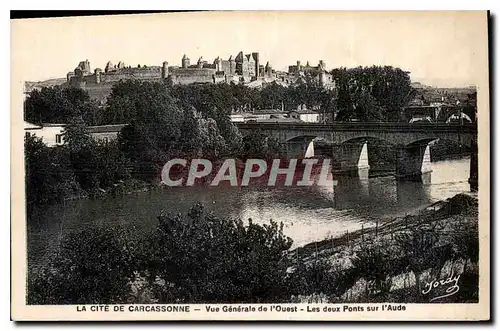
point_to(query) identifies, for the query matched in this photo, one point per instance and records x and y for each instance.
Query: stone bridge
(351, 140)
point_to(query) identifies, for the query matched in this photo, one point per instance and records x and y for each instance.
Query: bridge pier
(474, 173)
(413, 161)
(350, 157)
(297, 149)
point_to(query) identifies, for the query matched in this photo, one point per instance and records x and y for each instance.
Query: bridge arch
(301, 138)
(455, 139)
(365, 152)
(421, 142)
(366, 138)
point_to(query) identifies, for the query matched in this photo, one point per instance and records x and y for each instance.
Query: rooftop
(106, 128)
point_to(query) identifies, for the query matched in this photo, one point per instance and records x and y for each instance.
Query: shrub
(93, 266)
(374, 265)
(319, 277)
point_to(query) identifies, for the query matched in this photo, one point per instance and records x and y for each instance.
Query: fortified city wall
(243, 68)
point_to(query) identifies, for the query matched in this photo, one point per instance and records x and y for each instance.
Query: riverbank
(394, 260)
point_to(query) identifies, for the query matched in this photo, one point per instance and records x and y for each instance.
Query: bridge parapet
(362, 126)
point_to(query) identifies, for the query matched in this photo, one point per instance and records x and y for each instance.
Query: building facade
(53, 134)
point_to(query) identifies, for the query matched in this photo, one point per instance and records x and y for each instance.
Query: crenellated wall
(131, 73)
(147, 73)
(192, 75)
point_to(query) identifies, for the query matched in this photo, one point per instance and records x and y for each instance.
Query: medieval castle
(244, 68)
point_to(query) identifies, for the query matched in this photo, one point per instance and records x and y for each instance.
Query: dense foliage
(372, 93)
(81, 167)
(60, 105)
(203, 258)
(49, 175)
(188, 258)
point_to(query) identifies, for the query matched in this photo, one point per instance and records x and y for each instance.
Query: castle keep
(243, 68)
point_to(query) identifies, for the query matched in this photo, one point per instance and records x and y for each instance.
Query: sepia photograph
(259, 165)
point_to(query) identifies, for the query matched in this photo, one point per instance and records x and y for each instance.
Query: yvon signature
(437, 285)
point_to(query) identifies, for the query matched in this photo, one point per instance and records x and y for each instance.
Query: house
(277, 120)
(258, 115)
(237, 118)
(53, 134)
(308, 116)
(105, 133)
(50, 133)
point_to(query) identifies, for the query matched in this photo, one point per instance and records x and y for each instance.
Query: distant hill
(30, 86)
(431, 94)
(466, 89)
(418, 85)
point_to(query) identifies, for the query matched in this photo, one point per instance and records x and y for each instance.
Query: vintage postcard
(293, 166)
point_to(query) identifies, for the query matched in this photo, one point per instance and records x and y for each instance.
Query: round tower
(322, 78)
(321, 65)
(322, 73)
(232, 65)
(255, 56)
(268, 69)
(78, 72)
(164, 70)
(109, 66)
(97, 73)
(185, 61)
(218, 64)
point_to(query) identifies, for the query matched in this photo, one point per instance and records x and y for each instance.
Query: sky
(438, 48)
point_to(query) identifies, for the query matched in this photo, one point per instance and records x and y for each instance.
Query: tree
(162, 127)
(155, 124)
(49, 176)
(372, 93)
(58, 105)
(272, 96)
(216, 101)
(81, 151)
(198, 257)
(258, 145)
(97, 165)
(213, 143)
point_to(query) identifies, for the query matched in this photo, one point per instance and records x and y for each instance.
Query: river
(308, 213)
